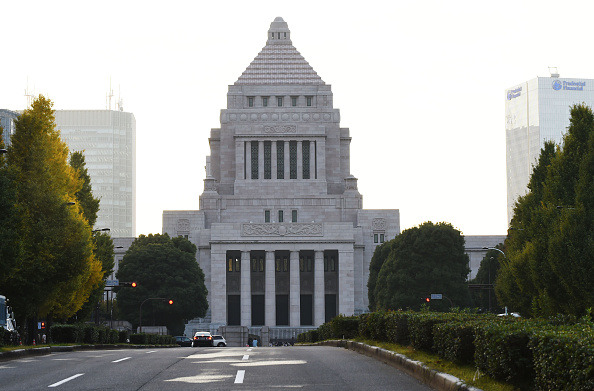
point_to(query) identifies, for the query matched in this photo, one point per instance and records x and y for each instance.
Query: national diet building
(281, 232)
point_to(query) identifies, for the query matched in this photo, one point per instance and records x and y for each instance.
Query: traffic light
(427, 299)
(170, 302)
(132, 284)
(42, 325)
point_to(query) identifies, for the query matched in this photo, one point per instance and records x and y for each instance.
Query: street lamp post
(150, 298)
(494, 248)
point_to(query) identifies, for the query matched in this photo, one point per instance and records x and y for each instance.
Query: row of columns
(244, 159)
(218, 292)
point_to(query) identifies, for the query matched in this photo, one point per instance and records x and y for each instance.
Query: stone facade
(281, 232)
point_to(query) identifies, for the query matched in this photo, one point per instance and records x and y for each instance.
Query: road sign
(436, 296)
(112, 282)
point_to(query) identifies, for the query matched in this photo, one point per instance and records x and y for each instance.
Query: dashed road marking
(152, 351)
(65, 380)
(122, 359)
(239, 376)
(245, 357)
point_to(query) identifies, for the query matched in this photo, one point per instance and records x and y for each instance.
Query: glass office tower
(536, 111)
(108, 139)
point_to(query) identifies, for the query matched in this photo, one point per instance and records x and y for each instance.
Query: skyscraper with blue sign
(536, 111)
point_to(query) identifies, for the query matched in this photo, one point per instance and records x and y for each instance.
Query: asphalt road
(269, 368)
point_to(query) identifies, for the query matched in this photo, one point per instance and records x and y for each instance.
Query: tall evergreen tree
(55, 270)
(550, 265)
(423, 260)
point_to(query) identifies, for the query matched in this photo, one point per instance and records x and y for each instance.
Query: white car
(219, 340)
(202, 338)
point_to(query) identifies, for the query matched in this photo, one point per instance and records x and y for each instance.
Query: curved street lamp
(151, 298)
(494, 248)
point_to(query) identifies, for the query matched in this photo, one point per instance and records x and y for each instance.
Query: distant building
(281, 232)
(108, 139)
(476, 247)
(535, 111)
(7, 118)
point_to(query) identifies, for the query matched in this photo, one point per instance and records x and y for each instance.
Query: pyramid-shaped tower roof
(279, 62)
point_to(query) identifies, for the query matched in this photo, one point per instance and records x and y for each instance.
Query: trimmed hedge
(563, 360)
(151, 339)
(8, 338)
(550, 354)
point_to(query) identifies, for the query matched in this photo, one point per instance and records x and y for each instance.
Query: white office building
(108, 139)
(536, 111)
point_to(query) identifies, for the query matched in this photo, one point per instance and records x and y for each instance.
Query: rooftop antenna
(29, 95)
(120, 102)
(109, 95)
(554, 72)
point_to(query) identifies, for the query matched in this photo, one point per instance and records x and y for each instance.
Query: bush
(8, 338)
(502, 352)
(138, 339)
(325, 332)
(345, 327)
(420, 326)
(113, 336)
(90, 334)
(397, 327)
(122, 336)
(454, 341)
(564, 360)
(65, 333)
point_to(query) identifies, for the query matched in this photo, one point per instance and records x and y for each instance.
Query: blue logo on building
(511, 94)
(557, 85)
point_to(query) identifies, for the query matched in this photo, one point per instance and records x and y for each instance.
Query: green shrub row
(151, 339)
(539, 354)
(86, 333)
(8, 338)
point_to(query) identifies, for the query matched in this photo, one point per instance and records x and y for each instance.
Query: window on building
(280, 160)
(308, 100)
(375, 238)
(267, 159)
(279, 101)
(306, 162)
(294, 216)
(329, 264)
(293, 101)
(254, 160)
(305, 264)
(281, 216)
(293, 159)
(233, 265)
(267, 216)
(265, 101)
(250, 101)
(382, 238)
(282, 264)
(257, 265)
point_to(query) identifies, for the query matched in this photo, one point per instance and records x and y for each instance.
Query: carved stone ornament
(379, 224)
(350, 183)
(183, 225)
(280, 129)
(290, 229)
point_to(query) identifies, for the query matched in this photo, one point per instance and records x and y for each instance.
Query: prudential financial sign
(568, 85)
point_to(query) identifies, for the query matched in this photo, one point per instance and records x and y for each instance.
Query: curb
(435, 379)
(21, 353)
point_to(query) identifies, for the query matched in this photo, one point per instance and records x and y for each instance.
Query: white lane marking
(152, 351)
(65, 380)
(245, 357)
(122, 359)
(249, 350)
(239, 377)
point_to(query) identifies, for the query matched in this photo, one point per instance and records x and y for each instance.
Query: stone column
(322, 159)
(319, 297)
(248, 160)
(218, 287)
(287, 161)
(273, 160)
(239, 160)
(246, 290)
(261, 159)
(299, 160)
(294, 291)
(346, 282)
(270, 291)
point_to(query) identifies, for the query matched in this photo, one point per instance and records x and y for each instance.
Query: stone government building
(281, 232)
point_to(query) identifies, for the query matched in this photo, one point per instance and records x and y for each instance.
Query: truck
(7, 320)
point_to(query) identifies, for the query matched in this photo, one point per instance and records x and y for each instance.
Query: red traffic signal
(42, 325)
(170, 302)
(133, 285)
(128, 283)
(427, 299)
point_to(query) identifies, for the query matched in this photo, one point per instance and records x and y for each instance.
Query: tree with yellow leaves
(55, 270)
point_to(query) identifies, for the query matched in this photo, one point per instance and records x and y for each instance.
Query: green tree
(485, 299)
(166, 268)
(377, 260)
(54, 270)
(103, 249)
(426, 259)
(550, 266)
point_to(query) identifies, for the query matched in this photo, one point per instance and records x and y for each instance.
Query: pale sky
(420, 84)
